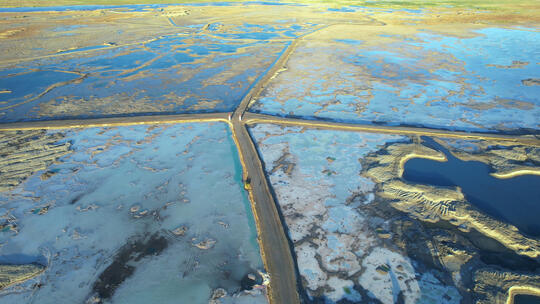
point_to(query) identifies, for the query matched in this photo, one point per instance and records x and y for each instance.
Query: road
(114, 122)
(253, 118)
(275, 250)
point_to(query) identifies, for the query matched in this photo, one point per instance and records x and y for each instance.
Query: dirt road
(276, 252)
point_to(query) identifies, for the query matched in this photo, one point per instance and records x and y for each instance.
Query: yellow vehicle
(247, 183)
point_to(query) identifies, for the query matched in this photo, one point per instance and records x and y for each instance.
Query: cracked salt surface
(135, 215)
(342, 251)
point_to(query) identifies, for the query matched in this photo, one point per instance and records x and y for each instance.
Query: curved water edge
(523, 295)
(424, 72)
(133, 7)
(526, 299)
(515, 200)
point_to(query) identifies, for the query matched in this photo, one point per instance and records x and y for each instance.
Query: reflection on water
(514, 200)
(430, 80)
(209, 70)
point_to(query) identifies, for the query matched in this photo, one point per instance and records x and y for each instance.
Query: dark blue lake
(514, 200)
(526, 299)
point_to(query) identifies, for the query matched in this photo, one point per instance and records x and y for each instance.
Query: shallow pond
(513, 200)
(182, 69)
(163, 76)
(526, 299)
(480, 82)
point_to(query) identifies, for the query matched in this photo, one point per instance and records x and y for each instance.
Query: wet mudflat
(155, 60)
(158, 213)
(165, 76)
(467, 78)
(134, 214)
(515, 200)
(343, 249)
(360, 234)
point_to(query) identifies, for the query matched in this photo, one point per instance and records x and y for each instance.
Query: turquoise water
(252, 227)
(515, 200)
(69, 28)
(342, 9)
(126, 211)
(349, 41)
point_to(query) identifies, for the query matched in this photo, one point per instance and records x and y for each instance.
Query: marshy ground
(165, 152)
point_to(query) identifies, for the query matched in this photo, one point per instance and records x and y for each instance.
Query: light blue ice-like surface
(68, 28)
(329, 160)
(121, 184)
(341, 234)
(471, 84)
(313, 147)
(316, 145)
(342, 9)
